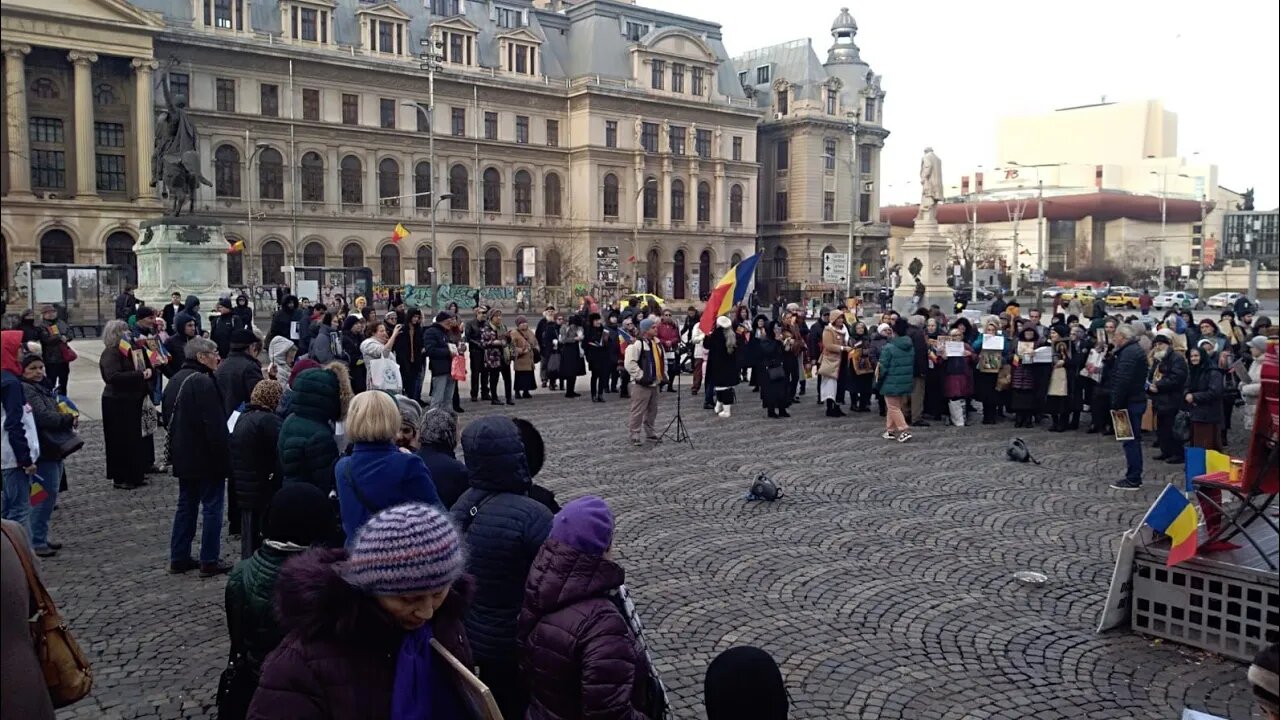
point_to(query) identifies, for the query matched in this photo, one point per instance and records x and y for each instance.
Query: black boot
(771, 413)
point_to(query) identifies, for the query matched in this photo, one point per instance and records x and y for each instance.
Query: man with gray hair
(1129, 394)
(197, 442)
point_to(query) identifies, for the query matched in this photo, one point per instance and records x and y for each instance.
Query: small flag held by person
(38, 493)
(236, 247)
(401, 232)
(1175, 516)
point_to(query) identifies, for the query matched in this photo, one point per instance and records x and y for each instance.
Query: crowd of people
(372, 557)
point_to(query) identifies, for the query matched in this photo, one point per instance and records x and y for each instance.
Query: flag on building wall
(730, 291)
(401, 232)
(1175, 516)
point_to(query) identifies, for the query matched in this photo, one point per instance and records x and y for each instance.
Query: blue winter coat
(504, 535)
(376, 476)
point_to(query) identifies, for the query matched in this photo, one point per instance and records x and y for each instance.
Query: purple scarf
(411, 694)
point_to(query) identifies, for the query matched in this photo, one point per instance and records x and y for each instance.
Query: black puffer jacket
(504, 536)
(1129, 379)
(255, 469)
(435, 346)
(198, 442)
(236, 377)
(1172, 384)
(1205, 386)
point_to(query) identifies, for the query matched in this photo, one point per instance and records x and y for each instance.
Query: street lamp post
(853, 118)
(1015, 212)
(430, 61)
(1164, 213)
(259, 147)
(635, 237)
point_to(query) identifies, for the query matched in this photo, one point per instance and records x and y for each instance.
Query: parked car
(1081, 293)
(1122, 298)
(1050, 293)
(1223, 300)
(1175, 299)
(964, 292)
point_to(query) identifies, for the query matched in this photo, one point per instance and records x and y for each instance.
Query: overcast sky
(951, 70)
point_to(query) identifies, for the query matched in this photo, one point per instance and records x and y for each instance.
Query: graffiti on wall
(467, 296)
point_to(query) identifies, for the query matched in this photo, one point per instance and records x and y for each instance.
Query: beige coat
(832, 356)
(523, 345)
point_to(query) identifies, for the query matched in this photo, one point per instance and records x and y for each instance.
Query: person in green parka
(895, 378)
(298, 517)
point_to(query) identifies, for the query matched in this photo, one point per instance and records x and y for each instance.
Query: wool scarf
(653, 368)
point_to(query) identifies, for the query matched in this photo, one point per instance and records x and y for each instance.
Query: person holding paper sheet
(1026, 395)
(1128, 384)
(360, 625)
(957, 367)
(993, 353)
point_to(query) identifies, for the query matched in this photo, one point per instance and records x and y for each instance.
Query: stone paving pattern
(882, 582)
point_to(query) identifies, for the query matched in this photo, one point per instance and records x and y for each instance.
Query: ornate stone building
(811, 180)
(563, 127)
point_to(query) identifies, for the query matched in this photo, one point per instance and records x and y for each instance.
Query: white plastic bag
(384, 374)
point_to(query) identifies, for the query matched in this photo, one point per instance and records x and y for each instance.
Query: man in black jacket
(1129, 392)
(475, 352)
(221, 325)
(439, 353)
(1166, 395)
(171, 310)
(126, 303)
(289, 321)
(408, 350)
(197, 429)
(239, 373)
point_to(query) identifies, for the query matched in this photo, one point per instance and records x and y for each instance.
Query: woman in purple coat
(359, 625)
(582, 649)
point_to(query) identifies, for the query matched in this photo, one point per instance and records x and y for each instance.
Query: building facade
(562, 129)
(820, 139)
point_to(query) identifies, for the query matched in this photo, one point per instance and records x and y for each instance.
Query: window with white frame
(829, 155)
(635, 30)
(308, 24)
(459, 47)
(762, 74)
(385, 36)
(522, 59)
(508, 17)
(698, 81)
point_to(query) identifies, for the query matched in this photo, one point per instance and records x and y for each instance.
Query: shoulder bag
(65, 668)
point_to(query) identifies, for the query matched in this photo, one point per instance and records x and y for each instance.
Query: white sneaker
(904, 436)
(888, 435)
(728, 409)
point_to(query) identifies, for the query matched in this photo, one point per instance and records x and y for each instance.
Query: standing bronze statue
(175, 160)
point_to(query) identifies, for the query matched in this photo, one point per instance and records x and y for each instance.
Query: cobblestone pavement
(883, 582)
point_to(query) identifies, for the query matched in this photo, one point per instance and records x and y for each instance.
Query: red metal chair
(1258, 483)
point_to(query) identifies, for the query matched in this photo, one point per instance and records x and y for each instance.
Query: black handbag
(1182, 426)
(236, 686)
(775, 373)
(59, 444)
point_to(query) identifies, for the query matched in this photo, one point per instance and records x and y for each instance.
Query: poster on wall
(528, 262)
(48, 290)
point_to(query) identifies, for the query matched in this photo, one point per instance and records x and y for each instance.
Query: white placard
(309, 289)
(48, 290)
(1043, 354)
(993, 342)
(1115, 612)
(293, 330)
(954, 349)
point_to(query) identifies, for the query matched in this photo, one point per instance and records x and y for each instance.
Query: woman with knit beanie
(744, 683)
(582, 646)
(359, 625)
(254, 465)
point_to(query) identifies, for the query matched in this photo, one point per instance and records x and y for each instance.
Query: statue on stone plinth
(930, 187)
(175, 159)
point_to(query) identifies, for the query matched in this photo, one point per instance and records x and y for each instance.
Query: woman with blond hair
(835, 345)
(377, 474)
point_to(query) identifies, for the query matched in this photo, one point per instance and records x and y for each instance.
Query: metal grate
(1224, 614)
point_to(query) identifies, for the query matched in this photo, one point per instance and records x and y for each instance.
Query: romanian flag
(401, 232)
(730, 291)
(66, 407)
(1175, 516)
(38, 493)
(125, 348)
(1204, 462)
(236, 247)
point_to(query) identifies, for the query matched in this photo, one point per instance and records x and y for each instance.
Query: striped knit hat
(403, 550)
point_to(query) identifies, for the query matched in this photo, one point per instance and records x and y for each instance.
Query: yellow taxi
(1083, 294)
(642, 299)
(1123, 298)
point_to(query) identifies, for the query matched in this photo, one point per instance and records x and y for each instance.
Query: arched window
(735, 259)
(492, 190)
(424, 265)
(119, 248)
(272, 263)
(492, 267)
(352, 256)
(677, 276)
(458, 181)
(460, 266)
(56, 247)
(553, 268)
(422, 197)
(704, 202)
(521, 277)
(735, 205)
(313, 254)
(351, 180)
(389, 259)
(780, 263)
(389, 183)
(523, 192)
(270, 174)
(611, 195)
(651, 271)
(312, 177)
(226, 172)
(651, 198)
(551, 195)
(235, 264)
(704, 275)
(104, 94)
(677, 201)
(45, 89)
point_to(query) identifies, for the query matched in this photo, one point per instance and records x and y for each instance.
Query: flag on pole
(236, 247)
(1175, 516)
(1200, 461)
(401, 232)
(730, 291)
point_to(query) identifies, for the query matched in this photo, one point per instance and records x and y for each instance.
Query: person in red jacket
(669, 336)
(582, 647)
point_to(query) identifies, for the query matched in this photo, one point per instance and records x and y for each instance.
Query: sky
(952, 70)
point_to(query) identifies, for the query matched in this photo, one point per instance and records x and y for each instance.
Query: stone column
(370, 197)
(664, 206)
(718, 205)
(86, 177)
(144, 110)
(19, 143)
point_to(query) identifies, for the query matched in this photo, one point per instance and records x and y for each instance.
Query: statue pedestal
(933, 249)
(186, 255)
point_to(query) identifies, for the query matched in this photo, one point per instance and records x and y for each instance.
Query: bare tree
(972, 245)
